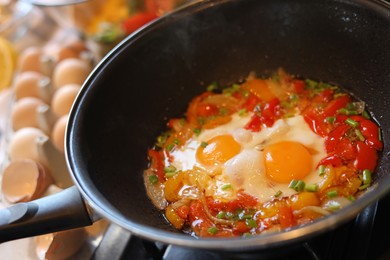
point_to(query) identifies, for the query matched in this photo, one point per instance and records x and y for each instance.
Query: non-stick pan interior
(153, 74)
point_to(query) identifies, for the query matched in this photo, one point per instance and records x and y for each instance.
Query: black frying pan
(153, 74)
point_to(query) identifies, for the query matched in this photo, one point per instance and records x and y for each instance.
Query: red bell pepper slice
(157, 162)
(335, 136)
(366, 157)
(332, 159)
(316, 123)
(336, 104)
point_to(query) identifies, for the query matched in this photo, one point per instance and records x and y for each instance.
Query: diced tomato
(254, 123)
(136, 21)
(251, 102)
(332, 159)
(240, 227)
(286, 217)
(243, 201)
(299, 86)
(183, 211)
(366, 157)
(336, 104)
(157, 162)
(324, 96)
(271, 109)
(206, 110)
(215, 205)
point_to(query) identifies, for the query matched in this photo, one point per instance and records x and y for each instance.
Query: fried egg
(259, 163)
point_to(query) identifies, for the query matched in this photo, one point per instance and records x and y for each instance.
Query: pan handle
(61, 211)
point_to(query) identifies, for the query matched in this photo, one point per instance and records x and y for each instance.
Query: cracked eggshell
(60, 245)
(23, 144)
(24, 113)
(24, 180)
(70, 71)
(63, 98)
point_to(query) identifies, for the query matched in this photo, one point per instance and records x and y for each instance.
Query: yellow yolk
(287, 160)
(217, 150)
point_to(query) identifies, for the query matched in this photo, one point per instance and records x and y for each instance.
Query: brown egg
(23, 144)
(28, 84)
(72, 49)
(24, 113)
(70, 71)
(63, 98)
(30, 59)
(58, 132)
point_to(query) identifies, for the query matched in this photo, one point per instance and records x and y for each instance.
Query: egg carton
(32, 126)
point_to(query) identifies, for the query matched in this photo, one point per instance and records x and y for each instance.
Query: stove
(365, 237)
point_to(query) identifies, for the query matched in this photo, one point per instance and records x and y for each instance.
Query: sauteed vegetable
(262, 155)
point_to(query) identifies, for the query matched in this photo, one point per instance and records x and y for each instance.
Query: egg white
(246, 170)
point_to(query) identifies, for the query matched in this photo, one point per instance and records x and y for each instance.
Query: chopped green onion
(246, 216)
(247, 235)
(300, 185)
(242, 112)
(311, 83)
(170, 168)
(294, 97)
(213, 230)
(176, 141)
(359, 135)
(351, 198)
(251, 223)
(153, 179)
(223, 111)
(352, 122)
(278, 193)
(312, 187)
(297, 185)
(246, 93)
(367, 177)
(364, 186)
(170, 147)
(213, 86)
(321, 170)
(170, 171)
(197, 131)
(292, 183)
(331, 119)
(204, 144)
(333, 206)
(226, 186)
(347, 112)
(332, 193)
(221, 214)
(366, 115)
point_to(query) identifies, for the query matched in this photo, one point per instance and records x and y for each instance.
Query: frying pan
(153, 74)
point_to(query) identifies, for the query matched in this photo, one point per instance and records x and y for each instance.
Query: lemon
(7, 63)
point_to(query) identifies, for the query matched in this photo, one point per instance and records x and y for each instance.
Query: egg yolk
(217, 150)
(285, 161)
